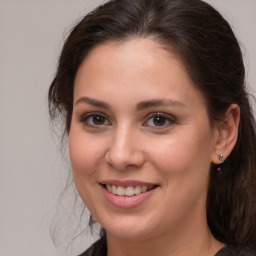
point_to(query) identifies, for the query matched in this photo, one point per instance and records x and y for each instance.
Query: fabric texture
(236, 251)
(99, 248)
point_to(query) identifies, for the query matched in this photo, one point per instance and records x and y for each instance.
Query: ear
(226, 134)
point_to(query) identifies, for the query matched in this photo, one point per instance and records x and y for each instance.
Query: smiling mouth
(129, 190)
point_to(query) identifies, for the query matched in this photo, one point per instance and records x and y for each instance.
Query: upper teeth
(128, 191)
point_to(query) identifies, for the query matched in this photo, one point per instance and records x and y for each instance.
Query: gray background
(32, 171)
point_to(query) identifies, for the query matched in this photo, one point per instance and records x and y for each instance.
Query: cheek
(84, 153)
(84, 157)
(186, 153)
(184, 166)
(78, 152)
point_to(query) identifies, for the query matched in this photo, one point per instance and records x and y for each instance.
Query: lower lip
(127, 201)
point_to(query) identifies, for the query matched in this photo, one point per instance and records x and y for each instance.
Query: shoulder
(99, 248)
(237, 251)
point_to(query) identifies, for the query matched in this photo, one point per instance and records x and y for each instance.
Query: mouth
(128, 190)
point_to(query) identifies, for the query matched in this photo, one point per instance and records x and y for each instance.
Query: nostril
(122, 160)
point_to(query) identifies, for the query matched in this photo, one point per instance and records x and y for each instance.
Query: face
(140, 141)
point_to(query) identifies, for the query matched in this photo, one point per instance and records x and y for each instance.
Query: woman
(161, 134)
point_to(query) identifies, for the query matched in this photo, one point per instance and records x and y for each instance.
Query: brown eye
(95, 120)
(159, 120)
(98, 120)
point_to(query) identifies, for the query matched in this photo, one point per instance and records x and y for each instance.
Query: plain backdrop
(32, 171)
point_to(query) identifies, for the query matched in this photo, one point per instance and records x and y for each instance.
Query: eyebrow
(139, 106)
(158, 102)
(93, 102)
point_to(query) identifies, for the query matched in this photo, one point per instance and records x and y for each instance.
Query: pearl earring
(221, 157)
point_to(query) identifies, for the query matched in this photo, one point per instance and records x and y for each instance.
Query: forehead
(135, 52)
(138, 66)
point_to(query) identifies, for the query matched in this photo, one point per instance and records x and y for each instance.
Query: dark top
(99, 248)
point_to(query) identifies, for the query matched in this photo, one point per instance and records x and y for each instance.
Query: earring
(219, 173)
(221, 158)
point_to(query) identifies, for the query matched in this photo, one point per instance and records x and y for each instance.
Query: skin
(128, 144)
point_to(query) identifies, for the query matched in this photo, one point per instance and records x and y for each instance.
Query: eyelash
(86, 117)
(166, 118)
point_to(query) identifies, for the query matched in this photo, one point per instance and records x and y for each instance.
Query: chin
(129, 230)
(137, 235)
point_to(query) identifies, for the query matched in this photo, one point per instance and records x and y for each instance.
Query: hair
(211, 55)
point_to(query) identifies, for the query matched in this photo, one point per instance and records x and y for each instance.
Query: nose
(125, 150)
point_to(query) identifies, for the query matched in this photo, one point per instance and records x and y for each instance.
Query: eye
(159, 120)
(95, 119)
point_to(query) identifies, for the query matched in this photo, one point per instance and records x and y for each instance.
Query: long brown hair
(210, 52)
